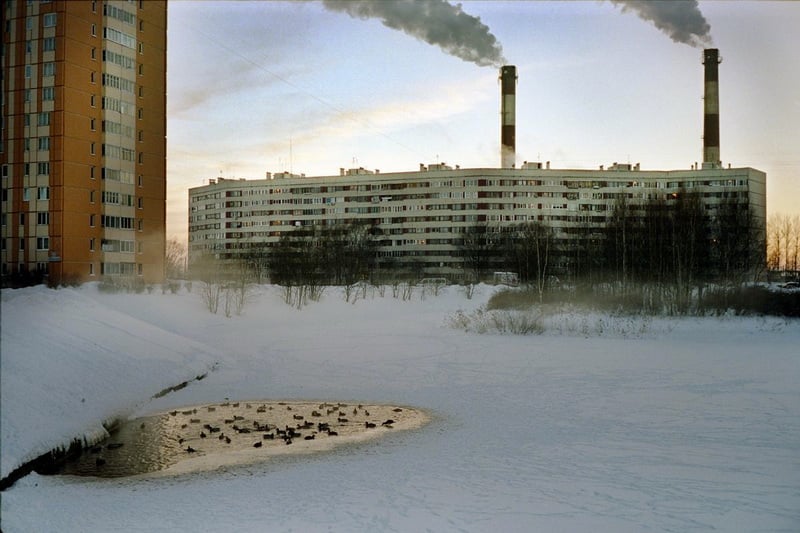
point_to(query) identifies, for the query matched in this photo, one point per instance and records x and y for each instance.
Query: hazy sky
(295, 86)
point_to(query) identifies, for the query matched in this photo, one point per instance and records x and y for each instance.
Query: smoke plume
(436, 22)
(681, 20)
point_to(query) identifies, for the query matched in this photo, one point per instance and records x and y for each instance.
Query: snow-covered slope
(69, 363)
(692, 425)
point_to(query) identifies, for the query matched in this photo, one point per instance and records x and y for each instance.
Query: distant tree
(528, 251)
(478, 250)
(175, 259)
(736, 243)
(783, 242)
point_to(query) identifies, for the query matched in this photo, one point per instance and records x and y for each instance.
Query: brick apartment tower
(84, 139)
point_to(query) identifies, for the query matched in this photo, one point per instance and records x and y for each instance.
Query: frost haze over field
(686, 425)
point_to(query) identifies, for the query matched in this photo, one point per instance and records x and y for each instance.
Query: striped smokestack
(711, 156)
(508, 132)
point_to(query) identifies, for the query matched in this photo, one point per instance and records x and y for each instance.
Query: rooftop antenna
(291, 161)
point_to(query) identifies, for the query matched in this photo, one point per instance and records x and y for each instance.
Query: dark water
(147, 445)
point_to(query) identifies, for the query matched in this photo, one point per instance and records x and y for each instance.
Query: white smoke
(681, 20)
(436, 22)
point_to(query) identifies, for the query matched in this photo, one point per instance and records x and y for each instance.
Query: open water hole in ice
(250, 431)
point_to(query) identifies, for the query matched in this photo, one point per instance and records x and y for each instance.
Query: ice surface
(694, 426)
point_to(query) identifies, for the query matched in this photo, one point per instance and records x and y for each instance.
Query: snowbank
(69, 363)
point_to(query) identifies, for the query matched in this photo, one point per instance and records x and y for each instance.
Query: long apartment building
(421, 216)
(84, 139)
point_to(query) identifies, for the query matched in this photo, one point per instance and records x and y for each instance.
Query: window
(91, 149)
(49, 20)
(26, 194)
(49, 69)
(28, 47)
(91, 244)
(49, 44)
(91, 125)
(43, 218)
(91, 101)
(27, 95)
(91, 269)
(91, 197)
(91, 223)
(91, 172)
(141, 113)
(48, 93)
(43, 193)
(139, 202)
(139, 266)
(28, 24)
(94, 30)
(27, 147)
(21, 243)
(22, 219)
(42, 243)
(119, 37)
(94, 53)
(27, 119)
(28, 71)
(44, 143)
(43, 168)
(43, 119)
(91, 77)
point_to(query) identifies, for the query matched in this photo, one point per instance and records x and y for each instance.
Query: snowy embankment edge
(70, 366)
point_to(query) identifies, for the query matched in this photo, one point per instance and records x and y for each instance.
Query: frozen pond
(209, 436)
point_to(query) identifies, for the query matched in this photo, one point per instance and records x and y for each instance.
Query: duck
(369, 424)
(257, 444)
(389, 422)
(227, 439)
(189, 449)
(202, 435)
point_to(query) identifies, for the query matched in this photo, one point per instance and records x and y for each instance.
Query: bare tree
(175, 259)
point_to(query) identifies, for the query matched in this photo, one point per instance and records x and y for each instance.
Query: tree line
(676, 243)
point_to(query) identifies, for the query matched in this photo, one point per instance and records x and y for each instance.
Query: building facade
(421, 217)
(84, 139)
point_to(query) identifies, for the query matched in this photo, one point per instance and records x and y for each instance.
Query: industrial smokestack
(508, 131)
(711, 155)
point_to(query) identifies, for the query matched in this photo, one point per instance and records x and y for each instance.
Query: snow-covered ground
(686, 425)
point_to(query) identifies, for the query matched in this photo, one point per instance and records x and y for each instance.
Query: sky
(305, 87)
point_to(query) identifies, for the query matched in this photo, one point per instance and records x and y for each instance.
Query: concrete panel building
(420, 217)
(84, 139)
